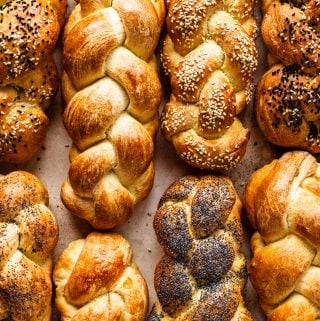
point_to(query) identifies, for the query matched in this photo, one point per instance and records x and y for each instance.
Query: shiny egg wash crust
(293, 105)
(28, 236)
(282, 204)
(203, 272)
(113, 92)
(28, 75)
(210, 57)
(288, 99)
(97, 280)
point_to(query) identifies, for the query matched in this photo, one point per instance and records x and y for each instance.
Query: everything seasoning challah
(203, 272)
(282, 200)
(210, 56)
(28, 236)
(96, 279)
(113, 93)
(28, 75)
(288, 97)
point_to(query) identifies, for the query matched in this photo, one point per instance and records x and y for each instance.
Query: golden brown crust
(203, 271)
(113, 93)
(28, 236)
(282, 202)
(288, 114)
(290, 35)
(210, 56)
(287, 96)
(28, 75)
(96, 280)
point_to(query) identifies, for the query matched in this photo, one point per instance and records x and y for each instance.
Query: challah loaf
(28, 236)
(282, 200)
(203, 272)
(210, 56)
(28, 75)
(288, 96)
(96, 279)
(113, 93)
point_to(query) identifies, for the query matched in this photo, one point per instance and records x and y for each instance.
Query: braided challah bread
(203, 272)
(28, 236)
(28, 75)
(282, 200)
(287, 98)
(96, 279)
(210, 56)
(113, 93)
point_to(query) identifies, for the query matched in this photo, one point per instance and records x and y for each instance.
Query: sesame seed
(205, 38)
(23, 54)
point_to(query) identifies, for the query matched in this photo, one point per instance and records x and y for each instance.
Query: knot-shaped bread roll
(287, 97)
(113, 93)
(210, 56)
(203, 272)
(28, 75)
(28, 236)
(96, 279)
(282, 200)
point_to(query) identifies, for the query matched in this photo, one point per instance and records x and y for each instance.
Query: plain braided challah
(28, 236)
(288, 96)
(282, 200)
(210, 56)
(203, 272)
(96, 280)
(29, 30)
(113, 94)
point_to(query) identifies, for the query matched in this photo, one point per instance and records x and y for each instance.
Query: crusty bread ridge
(287, 97)
(96, 280)
(282, 200)
(203, 272)
(210, 56)
(28, 236)
(29, 81)
(113, 93)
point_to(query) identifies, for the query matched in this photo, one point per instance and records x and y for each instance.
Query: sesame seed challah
(288, 96)
(282, 200)
(28, 75)
(113, 93)
(28, 236)
(203, 272)
(96, 280)
(210, 56)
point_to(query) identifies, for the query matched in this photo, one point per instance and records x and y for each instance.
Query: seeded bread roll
(210, 56)
(203, 272)
(113, 93)
(29, 31)
(282, 200)
(287, 98)
(28, 236)
(96, 280)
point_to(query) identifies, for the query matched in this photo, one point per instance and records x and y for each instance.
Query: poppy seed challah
(203, 272)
